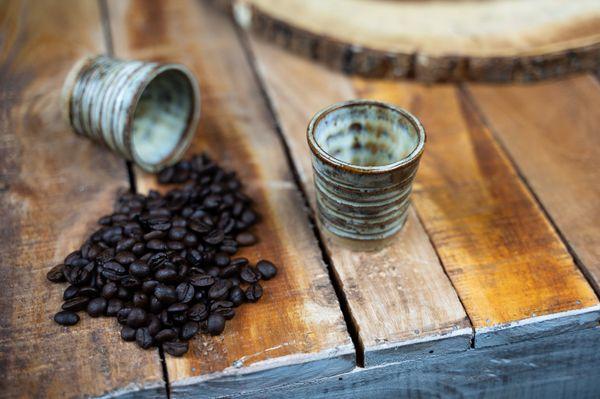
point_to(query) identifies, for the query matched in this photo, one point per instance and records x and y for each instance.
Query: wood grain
(509, 267)
(401, 301)
(53, 188)
(296, 332)
(508, 264)
(434, 41)
(550, 131)
(562, 366)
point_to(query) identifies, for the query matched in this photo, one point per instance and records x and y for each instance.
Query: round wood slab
(492, 40)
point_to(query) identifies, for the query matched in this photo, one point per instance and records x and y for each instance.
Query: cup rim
(324, 156)
(192, 122)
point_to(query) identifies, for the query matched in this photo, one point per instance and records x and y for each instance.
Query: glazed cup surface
(365, 155)
(146, 112)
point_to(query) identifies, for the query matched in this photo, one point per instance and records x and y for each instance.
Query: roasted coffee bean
(139, 269)
(248, 275)
(221, 259)
(166, 275)
(76, 304)
(154, 326)
(56, 274)
(123, 314)
(143, 338)
(97, 307)
(140, 300)
(110, 290)
(125, 244)
(168, 334)
(245, 239)
(165, 294)
(137, 318)
(149, 286)
(70, 292)
(188, 330)
(113, 307)
(164, 265)
(198, 312)
(185, 292)
(128, 333)
(219, 289)
(90, 292)
(66, 318)
(236, 296)
(254, 292)
(176, 348)
(125, 257)
(202, 280)
(267, 269)
(215, 324)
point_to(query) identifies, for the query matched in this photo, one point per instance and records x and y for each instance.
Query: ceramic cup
(146, 112)
(365, 156)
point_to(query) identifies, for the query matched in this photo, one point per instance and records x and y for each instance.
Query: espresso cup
(147, 112)
(365, 155)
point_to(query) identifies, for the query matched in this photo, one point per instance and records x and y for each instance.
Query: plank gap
(351, 324)
(468, 97)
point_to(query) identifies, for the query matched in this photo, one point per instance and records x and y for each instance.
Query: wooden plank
(550, 131)
(561, 366)
(53, 188)
(511, 270)
(296, 331)
(401, 301)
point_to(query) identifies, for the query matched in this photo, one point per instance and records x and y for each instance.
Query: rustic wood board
(297, 331)
(561, 366)
(499, 40)
(550, 131)
(401, 301)
(53, 188)
(509, 267)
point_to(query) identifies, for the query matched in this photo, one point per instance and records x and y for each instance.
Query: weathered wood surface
(550, 131)
(296, 331)
(561, 366)
(446, 40)
(53, 188)
(509, 267)
(400, 299)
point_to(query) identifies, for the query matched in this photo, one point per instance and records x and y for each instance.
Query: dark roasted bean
(113, 307)
(166, 275)
(96, 307)
(56, 274)
(176, 348)
(155, 304)
(221, 259)
(70, 292)
(245, 239)
(76, 304)
(219, 289)
(149, 286)
(154, 235)
(124, 257)
(236, 296)
(138, 248)
(125, 244)
(156, 245)
(139, 269)
(188, 330)
(177, 308)
(128, 333)
(215, 324)
(165, 294)
(168, 334)
(185, 292)
(143, 338)
(267, 269)
(254, 292)
(248, 275)
(110, 290)
(154, 326)
(177, 233)
(137, 318)
(66, 318)
(123, 314)
(214, 237)
(202, 280)
(198, 312)
(140, 300)
(90, 292)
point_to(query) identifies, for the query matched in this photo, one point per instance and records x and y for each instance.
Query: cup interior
(162, 116)
(366, 134)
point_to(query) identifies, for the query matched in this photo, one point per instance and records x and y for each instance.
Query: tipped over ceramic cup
(365, 155)
(146, 112)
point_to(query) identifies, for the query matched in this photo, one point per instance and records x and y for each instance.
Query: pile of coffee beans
(165, 265)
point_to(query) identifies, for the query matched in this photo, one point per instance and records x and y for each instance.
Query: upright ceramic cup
(365, 156)
(146, 112)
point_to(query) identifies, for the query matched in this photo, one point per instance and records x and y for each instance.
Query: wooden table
(490, 289)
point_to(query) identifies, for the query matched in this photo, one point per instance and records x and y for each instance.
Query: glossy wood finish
(296, 331)
(53, 187)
